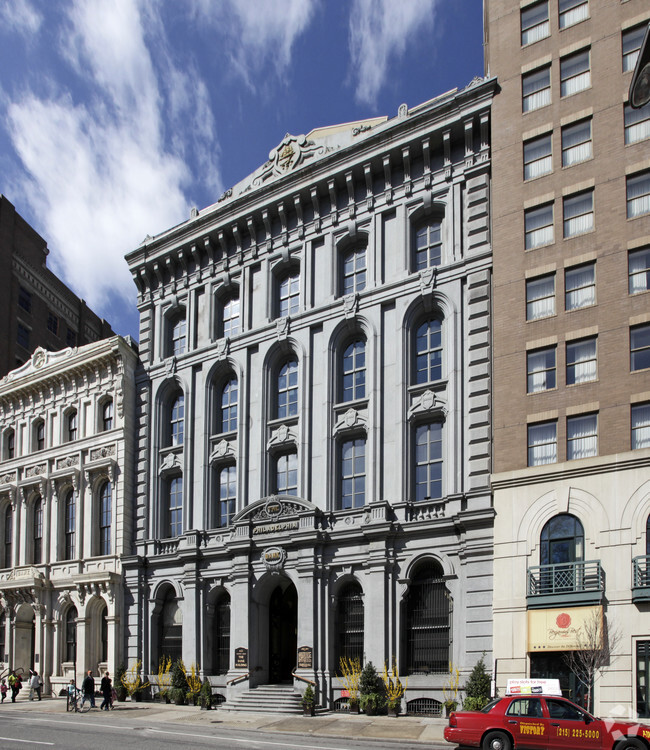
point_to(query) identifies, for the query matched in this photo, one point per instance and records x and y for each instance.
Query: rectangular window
(639, 270)
(578, 213)
(428, 461)
(534, 23)
(71, 337)
(22, 336)
(538, 225)
(536, 89)
(639, 347)
(572, 12)
(640, 419)
(580, 286)
(576, 143)
(353, 473)
(540, 365)
(581, 361)
(227, 495)
(638, 195)
(353, 271)
(631, 40)
(286, 474)
(175, 516)
(230, 317)
(575, 75)
(542, 443)
(25, 299)
(52, 323)
(540, 297)
(643, 679)
(637, 124)
(538, 159)
(581, 437)
(289, 295)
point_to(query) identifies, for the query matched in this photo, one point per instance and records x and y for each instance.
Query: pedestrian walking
(3, 690)
(88, 688)
(15, 683)
(34, 686)
(106, 688)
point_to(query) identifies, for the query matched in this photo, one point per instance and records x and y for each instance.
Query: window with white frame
(9, 443)
(538, 226)
(286, 474)
(9, 536)
(581, 361)
(637, 123)
(538, 159)
(107, 415)
(578, 213)
(71, 422)
(639, 347)
(229, 316)
(428, 244)
(69, 526)
(227, 421)
(536, 89)
(540, 297)
(428, 461)
(353, 371)
(575, 73)
(540, 366)
(289, 293)
(353, 270)
(542, 443)
(428, 351)
(638, 194)
(631, 40)
(639, 270)
(581, 436)
(177, 342)
(576, 143)
(580, 286)
(287, 390)
(640, 422)
(352, 477)
(572, 12)
(534, 23)
(39, 435)
(177, 420)
(227, 495)
(174, 516)
(105, 518)
(37, 528)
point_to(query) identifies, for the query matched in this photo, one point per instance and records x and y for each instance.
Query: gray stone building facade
(314, 410)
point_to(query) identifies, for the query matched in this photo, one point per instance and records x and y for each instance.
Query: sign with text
(568, 629)
(241, 658)
(305, 660)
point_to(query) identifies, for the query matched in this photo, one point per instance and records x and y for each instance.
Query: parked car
(542, 722)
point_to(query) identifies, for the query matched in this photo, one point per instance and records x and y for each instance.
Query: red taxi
(542, 722)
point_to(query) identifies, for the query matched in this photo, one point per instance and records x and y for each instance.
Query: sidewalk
(409, 728)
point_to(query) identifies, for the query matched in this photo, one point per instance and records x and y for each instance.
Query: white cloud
(258, 35)
(20, 16)
(105, 169)
(379, 32)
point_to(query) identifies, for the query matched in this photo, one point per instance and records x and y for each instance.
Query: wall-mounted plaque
(241, 658)
(305, 657)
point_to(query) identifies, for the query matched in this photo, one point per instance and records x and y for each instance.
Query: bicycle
(78, 702)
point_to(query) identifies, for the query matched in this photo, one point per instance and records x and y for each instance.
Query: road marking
(29, 742)
(250, 742)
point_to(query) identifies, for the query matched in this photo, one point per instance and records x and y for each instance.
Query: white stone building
(67, 450)
(314, 400)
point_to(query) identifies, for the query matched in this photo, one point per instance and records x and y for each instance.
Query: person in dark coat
(88, 688)
(106, 688)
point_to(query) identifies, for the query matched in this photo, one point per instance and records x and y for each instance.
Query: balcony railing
(565, 583)
(641, 578)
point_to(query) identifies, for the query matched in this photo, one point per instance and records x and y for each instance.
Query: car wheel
(496, 741)
(630, 743)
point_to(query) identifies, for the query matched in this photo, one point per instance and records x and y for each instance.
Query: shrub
(477, 688)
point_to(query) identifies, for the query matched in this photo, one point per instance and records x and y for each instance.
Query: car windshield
(490, 706)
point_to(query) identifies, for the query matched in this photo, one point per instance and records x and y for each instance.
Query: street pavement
(400, 729)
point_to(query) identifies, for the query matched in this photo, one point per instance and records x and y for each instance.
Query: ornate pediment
(290, 154)
(274, 508)
(40, 359)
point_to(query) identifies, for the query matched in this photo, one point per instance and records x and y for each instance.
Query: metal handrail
(304, 679)
(641, 571)
(237, 679)
(566, 577)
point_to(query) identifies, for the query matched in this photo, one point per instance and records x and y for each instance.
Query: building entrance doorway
(283, 628)
(24, 639)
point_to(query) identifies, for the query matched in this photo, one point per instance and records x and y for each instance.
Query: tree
(370, 697)
(477, 690)
(594, 649)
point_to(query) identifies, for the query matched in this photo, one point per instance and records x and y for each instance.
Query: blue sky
(118, 116)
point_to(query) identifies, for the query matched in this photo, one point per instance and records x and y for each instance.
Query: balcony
(641, 578)
(564, 584)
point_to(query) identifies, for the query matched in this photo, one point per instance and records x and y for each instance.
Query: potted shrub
(308, 701)
(370, 697)
(120, 690)
(451, 689)
(164, 679)
(205, 696)
(132, 682)
(193, 682)
(178, 683)
(478, 687)
(351, 673)
(393, 689)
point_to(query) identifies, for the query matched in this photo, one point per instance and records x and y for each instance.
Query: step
(281, 699)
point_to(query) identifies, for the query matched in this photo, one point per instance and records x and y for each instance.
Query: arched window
(177, 420)
(221, 650)
(562, 540)
(105, 518)
(427, 247)
(71, 422)
(170, 640)
(9, 537)
(428, 351)
(71, 635)
(70, 526)
(428, 622)
(177, 335)
(229, 316)
(227, 495)
(174, 515)
(349, 624)
(107, 415)
(353, 270)
(38, 531)
(353, 371)
(39, 435)
(286, 474)
(428, 461)
(352, 492)
(287, 390)
(289, 293)
(228, 412)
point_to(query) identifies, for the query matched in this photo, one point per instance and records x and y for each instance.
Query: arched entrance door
(24, 639)
(283, 628)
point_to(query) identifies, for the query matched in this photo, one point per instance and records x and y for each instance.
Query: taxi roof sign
(533, 687)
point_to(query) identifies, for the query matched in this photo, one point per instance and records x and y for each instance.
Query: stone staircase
(266, 699)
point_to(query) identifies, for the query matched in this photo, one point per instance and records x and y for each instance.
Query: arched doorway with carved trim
(283, 631)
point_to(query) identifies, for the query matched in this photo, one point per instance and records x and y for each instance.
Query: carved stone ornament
(282, 435)
(170, 366)
(428, 280)
(282, 328)
(222, 348)
(222, 449)
(350, 419)
(403, 111)
(169, 462)
(350, 305)
(290, 154)
(35, 471)
(428, 402)
(276, 507)
(38, 361)
(8, 478)
(274, 558)
(67, 462)
(106, 451)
